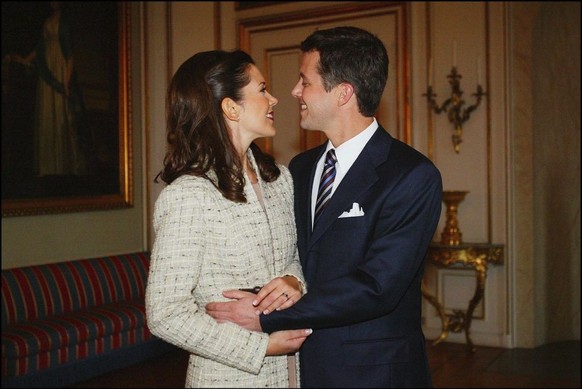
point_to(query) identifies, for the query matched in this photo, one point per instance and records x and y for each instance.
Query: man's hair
(352, 55)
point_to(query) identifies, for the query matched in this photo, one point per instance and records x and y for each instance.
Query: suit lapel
(303, 182)
(361, 176)
(308, 198)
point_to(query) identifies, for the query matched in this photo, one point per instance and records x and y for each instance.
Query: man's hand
(240, 311)
(279, 293)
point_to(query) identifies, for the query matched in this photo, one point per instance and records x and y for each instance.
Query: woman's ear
(230, 108)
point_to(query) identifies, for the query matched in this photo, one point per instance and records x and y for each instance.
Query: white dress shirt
(346, 155)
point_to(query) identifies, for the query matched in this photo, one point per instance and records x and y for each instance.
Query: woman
(59, 140)
(224, 221)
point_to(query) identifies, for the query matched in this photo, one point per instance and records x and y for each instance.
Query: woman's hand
(280, 293)
(286, 342)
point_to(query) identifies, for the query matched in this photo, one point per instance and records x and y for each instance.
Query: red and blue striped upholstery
(57, 313)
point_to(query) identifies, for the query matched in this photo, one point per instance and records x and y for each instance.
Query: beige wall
(556, 133)
(515, 146)
(545, 117)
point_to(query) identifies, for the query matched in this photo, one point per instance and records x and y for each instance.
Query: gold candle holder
(451, 234)
(454, 105)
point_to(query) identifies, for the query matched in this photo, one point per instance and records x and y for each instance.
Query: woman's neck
(249, 169)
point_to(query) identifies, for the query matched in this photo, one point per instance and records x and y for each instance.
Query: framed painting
(66, 114)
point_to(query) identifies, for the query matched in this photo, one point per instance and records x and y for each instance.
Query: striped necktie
(326, 183)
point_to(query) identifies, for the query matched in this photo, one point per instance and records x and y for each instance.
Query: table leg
(441, 310)
(481, 270)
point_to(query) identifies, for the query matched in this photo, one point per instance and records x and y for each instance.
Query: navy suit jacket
(364, 273)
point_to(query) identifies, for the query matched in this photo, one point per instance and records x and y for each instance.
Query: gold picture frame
(101, 115)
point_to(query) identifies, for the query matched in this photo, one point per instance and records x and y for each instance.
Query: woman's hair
(198, 136)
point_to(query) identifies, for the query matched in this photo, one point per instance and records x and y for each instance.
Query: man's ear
(230, 108)
(346, 91)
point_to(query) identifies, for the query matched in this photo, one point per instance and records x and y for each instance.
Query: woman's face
(256, 114)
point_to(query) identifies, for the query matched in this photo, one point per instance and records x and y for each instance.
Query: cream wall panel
(520, 24)
(227, 22)
(156, 62)
(283, 65)
(57, 238)
(496, 73)
(421, 128)
(545, 132)
(192, 29)
(556, 163)
(466, 34)
(461, 25)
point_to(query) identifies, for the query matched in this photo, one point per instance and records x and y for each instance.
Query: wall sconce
(453, 106)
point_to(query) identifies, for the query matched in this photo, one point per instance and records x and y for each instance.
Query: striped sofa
(66, 322)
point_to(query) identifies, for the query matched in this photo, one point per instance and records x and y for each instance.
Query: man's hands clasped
(280, 293)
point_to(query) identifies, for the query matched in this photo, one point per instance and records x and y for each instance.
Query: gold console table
(464, 255)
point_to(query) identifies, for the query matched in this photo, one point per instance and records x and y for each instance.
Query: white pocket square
(356, 211)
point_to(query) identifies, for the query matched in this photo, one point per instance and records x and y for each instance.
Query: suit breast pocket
(348, 223)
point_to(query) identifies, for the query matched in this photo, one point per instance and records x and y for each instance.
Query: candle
(430, 80)
(478, 70)
(455, 54)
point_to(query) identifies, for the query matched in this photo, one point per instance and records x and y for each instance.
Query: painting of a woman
(58, 143)
(66, 112)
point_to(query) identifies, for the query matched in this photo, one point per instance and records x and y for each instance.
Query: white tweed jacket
(205, 244)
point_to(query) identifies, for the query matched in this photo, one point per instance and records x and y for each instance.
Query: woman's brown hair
(197, 137)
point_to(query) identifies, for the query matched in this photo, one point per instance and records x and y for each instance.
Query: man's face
(317, 106)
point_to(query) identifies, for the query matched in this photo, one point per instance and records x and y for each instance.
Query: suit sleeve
(390, 259)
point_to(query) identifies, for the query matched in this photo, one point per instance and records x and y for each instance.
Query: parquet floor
(550, 366)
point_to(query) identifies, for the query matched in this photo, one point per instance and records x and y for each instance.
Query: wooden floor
(550, 366)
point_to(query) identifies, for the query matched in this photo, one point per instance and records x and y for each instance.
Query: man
(363, 256)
